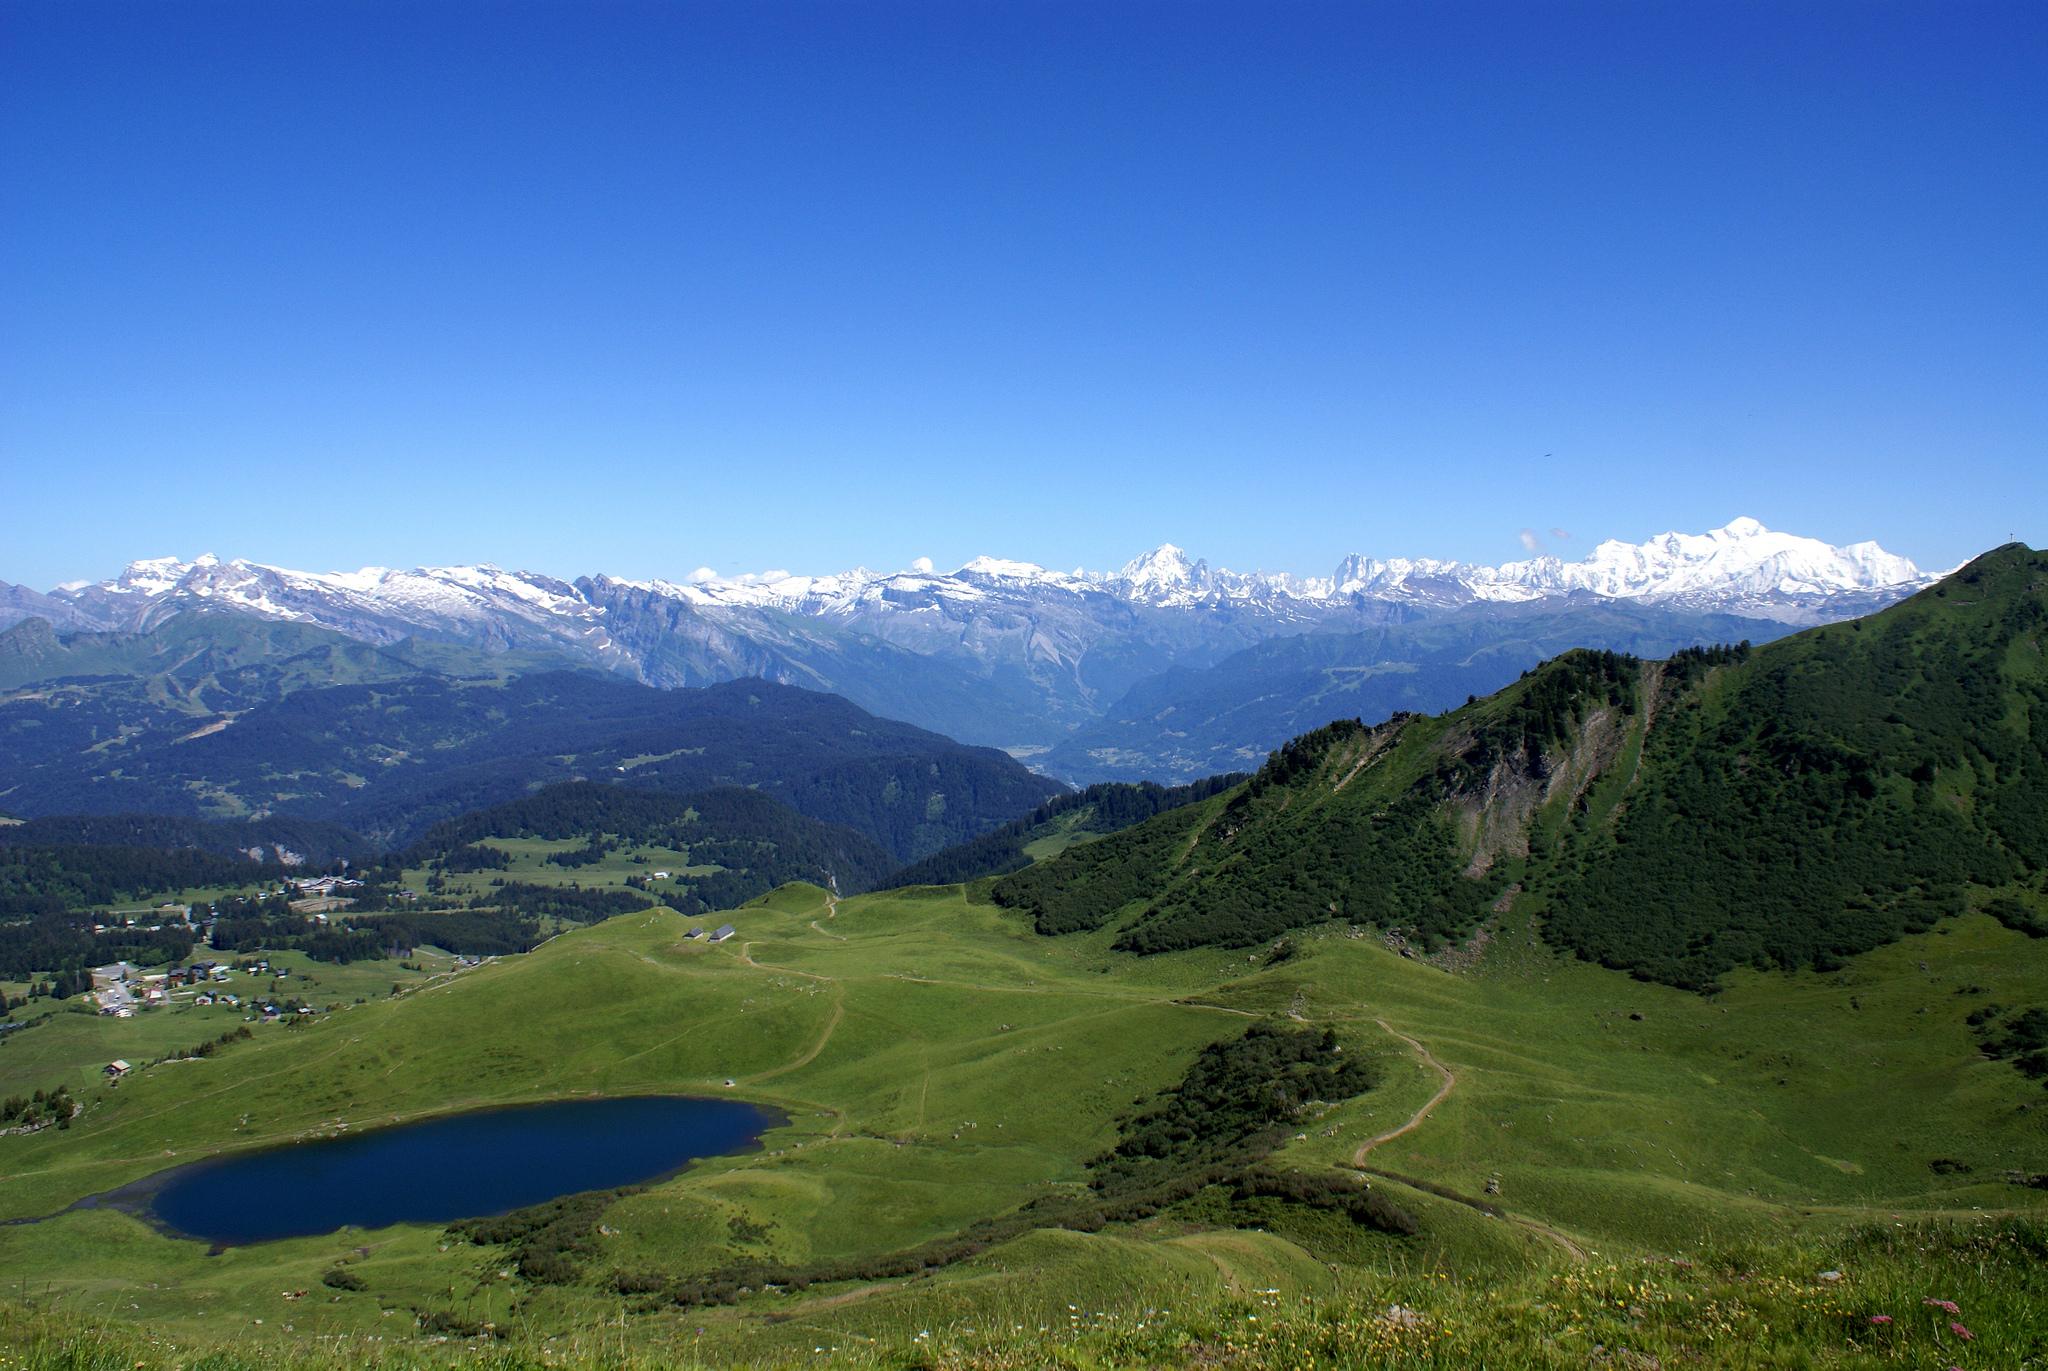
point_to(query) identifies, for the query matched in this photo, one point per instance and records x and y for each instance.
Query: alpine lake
(439, 1169)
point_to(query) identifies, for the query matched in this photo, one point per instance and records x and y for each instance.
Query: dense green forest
(63, 945)
(47, 892)
(760, 842)
(1782, 806)
(1252, 866)
(49, 880)
(1232, 1103)
(1829, 792)
(1109, 807)
(389, 758)
(315, 844)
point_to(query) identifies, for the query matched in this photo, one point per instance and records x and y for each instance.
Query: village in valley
(182, 973)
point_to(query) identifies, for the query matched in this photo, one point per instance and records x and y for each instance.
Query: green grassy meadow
(939, 1062)
(530, 865)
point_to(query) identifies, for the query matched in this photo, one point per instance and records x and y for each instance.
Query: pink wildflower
(1945, 1306)
(1961, 1332)
(1880, 1319)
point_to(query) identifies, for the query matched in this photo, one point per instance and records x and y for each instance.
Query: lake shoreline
(139, 1198)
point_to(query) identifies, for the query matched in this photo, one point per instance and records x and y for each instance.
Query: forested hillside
(757, 842)
(1778, 807)
(389, 758)
(308, 842)
(1108, 807)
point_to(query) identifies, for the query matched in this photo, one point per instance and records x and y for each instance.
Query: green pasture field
(530, 865)
(69, 1043)
(940, 1062)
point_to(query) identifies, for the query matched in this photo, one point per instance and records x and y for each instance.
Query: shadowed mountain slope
(390, 757)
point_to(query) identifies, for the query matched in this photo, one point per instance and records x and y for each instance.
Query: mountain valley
(1658, 981)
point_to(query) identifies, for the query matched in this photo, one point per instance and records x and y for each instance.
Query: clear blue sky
(639, 287)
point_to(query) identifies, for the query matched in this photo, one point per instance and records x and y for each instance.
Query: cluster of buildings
(322, 896)
(120, 989)
(164, 914)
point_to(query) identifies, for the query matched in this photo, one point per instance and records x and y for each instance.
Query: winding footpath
(1415, 1121)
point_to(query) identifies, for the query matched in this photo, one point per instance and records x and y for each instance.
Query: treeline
(1088, 884)
(1295, 759)
(1543, 711)
(52, 879)
(475, 857)
(1085, 886)
(1111, 806)
(760, 841)
(1259, 866)
(2018, 916)
(1235, 1100)
(2020, 1038)
(315, 843)
(1792, 805)
(467, 932)
(1401, 867)
(40, 1110)
(571, 903)
(571, 810)
(499, 922)
(246, 932)
(547, 1239)
(63, 946)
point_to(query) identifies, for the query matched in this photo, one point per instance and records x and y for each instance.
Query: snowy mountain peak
(1165, 574)
(1741, 563)
(998, 568)
(1163, 563)
(157, 575)
(1741, 568)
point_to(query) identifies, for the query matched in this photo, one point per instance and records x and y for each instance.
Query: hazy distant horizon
(1553, 543)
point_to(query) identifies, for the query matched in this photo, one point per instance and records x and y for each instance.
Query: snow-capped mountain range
(995, 651)
(1741, 568)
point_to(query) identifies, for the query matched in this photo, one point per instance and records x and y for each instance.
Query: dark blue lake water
(457, 1167)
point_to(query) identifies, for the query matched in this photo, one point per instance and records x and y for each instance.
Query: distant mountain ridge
(1741, 568)
(1184, 724)
(995, 652)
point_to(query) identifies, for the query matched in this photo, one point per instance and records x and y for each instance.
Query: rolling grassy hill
(941, 1063)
